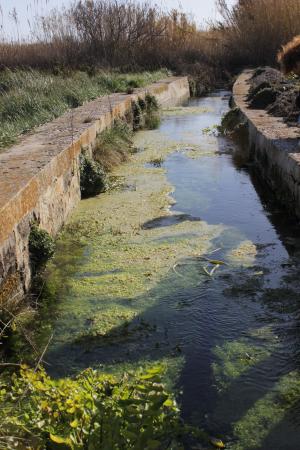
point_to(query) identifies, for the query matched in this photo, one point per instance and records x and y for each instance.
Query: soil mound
(277, 94)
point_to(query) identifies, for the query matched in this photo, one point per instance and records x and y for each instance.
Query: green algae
(234, 358)
(121, 262)
(172, 367)
(259, 421)
(183, 110)
(244, 254)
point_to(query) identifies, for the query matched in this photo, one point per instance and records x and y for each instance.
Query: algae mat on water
(109, 282)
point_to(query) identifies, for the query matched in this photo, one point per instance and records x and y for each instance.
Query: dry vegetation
(134, 36)
(253, 31)
(289, 56)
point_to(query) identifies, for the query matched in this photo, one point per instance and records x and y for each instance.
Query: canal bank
(273, 146)
(39, 177)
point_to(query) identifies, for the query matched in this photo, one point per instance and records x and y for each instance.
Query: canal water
(188, 261)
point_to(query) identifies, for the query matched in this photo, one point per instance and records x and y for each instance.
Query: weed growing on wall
(41, 245)
(92, 177)
(146, 113)
(113, 145)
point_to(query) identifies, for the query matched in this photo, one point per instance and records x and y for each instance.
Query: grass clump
(113, 145)
(29, 98)
(157, 161)
(92, 411)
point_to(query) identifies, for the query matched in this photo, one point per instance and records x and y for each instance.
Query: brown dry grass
(132, 36)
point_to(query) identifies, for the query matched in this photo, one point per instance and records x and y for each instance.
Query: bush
(252, 32)
(289, 56)
(152, 116)
(94, 411)
(92, 177)
(41, 245)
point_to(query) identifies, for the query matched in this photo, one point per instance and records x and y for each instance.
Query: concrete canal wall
(273, 146)
(39, 177)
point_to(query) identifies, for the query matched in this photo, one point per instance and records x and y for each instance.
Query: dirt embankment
(277, 94)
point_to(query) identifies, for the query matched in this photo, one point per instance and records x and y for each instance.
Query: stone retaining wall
(39, 177)
(273, 146)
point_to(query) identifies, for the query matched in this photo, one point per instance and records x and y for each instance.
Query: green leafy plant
(138, 116)
(92, 411)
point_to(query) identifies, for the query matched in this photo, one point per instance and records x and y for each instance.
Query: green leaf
(153, 444)
(59, 439)
(74, 424)
(169, 403)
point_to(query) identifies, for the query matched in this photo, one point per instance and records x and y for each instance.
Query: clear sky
(203, 10)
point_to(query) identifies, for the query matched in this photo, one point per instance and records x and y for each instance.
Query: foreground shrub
(93, 411)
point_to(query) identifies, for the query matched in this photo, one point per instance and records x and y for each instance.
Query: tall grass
(29, 97)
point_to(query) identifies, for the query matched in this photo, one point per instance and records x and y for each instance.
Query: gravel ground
(277, 94)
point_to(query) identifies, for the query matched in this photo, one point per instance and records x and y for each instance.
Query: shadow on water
(166, 221)
(237, 332)
(190, 322)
